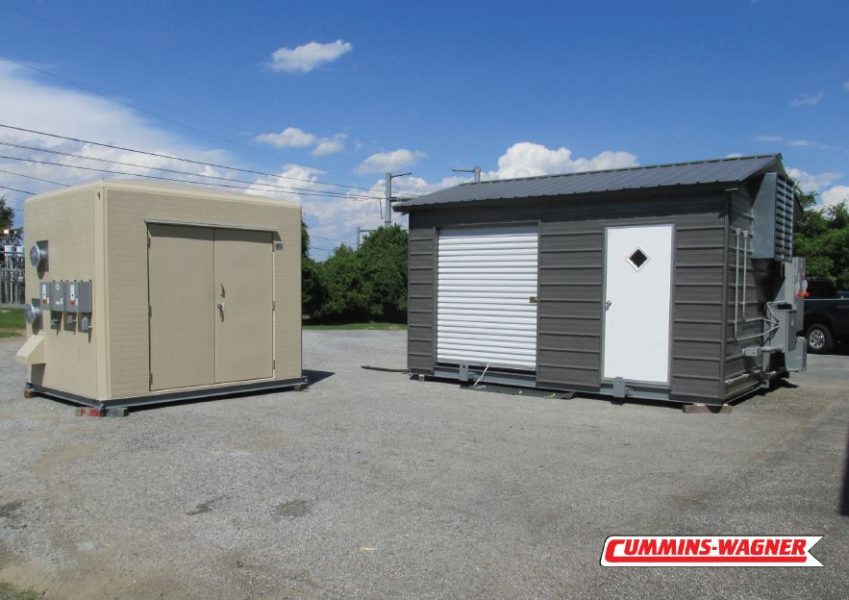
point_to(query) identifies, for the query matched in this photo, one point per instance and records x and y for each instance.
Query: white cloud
(807, 100)
(389, 161)
(291, 137)
(819, 183)
(835, 195)
(809, 182)
(31, 104)
(527, 159)
(309, 56)
(795, 142)
(330, 145)
(846, 85)
(298, 178)
(733, 155)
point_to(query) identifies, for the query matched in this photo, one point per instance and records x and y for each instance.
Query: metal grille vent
(783, 220)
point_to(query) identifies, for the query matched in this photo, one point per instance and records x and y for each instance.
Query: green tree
(822, 237)
(313, 290)
(7, 214)
(369, 283)
(305, 240)
(347, 298)
(382, 259)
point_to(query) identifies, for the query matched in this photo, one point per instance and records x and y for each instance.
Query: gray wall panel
(571, 259)
(421, 299)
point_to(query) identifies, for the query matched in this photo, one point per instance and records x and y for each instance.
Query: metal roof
(725, 171)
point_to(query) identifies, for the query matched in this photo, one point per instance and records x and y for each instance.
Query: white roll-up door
(486, 294)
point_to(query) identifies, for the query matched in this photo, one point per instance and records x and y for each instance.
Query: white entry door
(638, 278)
(486, 297)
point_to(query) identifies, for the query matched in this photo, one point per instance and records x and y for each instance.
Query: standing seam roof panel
(726, 171)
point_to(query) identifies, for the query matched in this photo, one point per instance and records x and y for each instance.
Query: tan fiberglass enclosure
(144, 293)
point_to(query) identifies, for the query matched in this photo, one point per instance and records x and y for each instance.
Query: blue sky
(358, 88)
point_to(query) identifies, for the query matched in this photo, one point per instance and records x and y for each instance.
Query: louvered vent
(783, 220)
(772, 219)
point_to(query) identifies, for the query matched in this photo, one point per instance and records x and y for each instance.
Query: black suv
(826, 315)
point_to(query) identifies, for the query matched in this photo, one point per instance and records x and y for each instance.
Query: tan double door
(210, 305)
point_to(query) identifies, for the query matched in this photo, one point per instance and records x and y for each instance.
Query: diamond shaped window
(638, 258)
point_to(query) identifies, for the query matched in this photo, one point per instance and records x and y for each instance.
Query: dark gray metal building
(671, 282)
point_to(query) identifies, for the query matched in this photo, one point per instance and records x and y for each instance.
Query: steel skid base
(118, 406)
(526, 384)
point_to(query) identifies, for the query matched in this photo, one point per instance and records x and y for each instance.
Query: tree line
(822, 237)
(368, 283)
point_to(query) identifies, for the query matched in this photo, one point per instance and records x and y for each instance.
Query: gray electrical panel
(57, 296)
(44, 295)
(77, 297)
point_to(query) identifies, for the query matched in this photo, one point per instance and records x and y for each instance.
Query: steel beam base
(115, 407)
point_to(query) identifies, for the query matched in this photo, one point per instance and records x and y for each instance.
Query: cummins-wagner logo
(709, 551)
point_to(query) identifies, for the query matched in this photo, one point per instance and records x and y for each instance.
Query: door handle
(221, 311)
(608, 304)
(222, 289)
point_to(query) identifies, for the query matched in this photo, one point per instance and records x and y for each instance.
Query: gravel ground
(369, 485)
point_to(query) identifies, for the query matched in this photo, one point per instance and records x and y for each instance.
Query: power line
(167, 67)
(160, 178)
(321, 237)
(11, 189)
(159, 155)
(152, 168)
(33, 178)
(99, 91)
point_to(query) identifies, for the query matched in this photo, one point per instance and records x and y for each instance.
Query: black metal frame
(179, 396)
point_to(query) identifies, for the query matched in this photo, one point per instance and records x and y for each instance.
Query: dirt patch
(293, 509)
(63, 454)
(10, 509)
(205, 507)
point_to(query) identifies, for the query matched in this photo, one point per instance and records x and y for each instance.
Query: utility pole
(387, 207)
(475, 170)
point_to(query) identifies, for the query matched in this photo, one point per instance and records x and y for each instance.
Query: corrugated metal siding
(421, 289)
(486, 278)
(571, 283)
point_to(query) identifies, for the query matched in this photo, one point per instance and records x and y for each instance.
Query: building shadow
(843, 506)
(314, 376)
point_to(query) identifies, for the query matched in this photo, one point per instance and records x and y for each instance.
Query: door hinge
(273, 364)
(150, 379)
(149, 311)
(273, 306)
(148, 238)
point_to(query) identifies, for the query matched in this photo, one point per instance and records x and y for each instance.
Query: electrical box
(77, 296)
(57, 296)
(44, 295)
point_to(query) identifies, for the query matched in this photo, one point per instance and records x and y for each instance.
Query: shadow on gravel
(843, 508)
(315, 376)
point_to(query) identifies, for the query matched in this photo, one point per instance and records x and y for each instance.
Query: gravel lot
(369, 485)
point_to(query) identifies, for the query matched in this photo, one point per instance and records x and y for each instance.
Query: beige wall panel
(128, 209)
(244, 288)
(68, 225)
(182, 302)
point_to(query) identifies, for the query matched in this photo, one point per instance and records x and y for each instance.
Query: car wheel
(819, 339)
